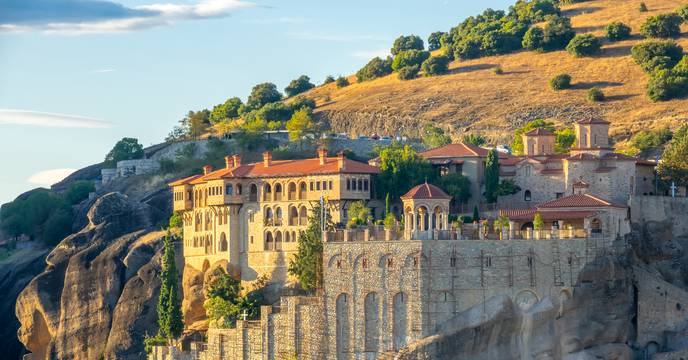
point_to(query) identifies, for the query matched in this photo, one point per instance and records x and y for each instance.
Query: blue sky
(78, 75)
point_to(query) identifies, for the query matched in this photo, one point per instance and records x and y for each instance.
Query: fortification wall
(660, 209)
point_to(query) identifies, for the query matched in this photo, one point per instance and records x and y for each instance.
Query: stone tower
(538, 142)
(592, 136)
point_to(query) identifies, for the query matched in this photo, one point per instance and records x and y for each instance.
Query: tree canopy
(403, 43)
(409, 58)
(298, 85)
(662, 26)
(230, 109)
(262, 94)
(434, 137)
(492, 176)
(374, 69)
(674, 164)
(300, 124)
(435, 40)
(125, 149)
(306, 264)
(455, 185)
(169, 309)
(401, 168)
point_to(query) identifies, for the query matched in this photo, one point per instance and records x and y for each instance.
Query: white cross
(244, 315)
(673, 189)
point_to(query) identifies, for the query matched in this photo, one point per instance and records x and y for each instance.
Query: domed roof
(425, 191)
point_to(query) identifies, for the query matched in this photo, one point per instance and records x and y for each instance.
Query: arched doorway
(223, 242)
(342, 324)
(399, 315)
(372, 325)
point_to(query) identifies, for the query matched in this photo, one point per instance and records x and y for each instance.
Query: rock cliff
(96, 297)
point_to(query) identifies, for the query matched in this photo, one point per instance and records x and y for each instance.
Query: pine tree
(169, 307)
(491, 176)
(306, 264)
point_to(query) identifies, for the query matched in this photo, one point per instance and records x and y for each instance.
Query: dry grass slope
(473, 98)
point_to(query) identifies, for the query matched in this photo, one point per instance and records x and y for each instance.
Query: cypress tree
(169, 307)
(476, 215)
(306, 264)
(491, 176)
(387, 208)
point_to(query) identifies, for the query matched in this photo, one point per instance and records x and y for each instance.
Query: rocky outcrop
(97, 295)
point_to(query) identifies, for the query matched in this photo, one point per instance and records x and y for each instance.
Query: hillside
(473, 98)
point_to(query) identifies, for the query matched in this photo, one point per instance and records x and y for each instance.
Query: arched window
(372, 323)
(293, 216)
(278, 192)
(527, 195)
(399, 318)
(287, 236)
(238, 189)
(269, 243)
(302, 191)
(342, 324)
(223, 242)
(267, 192)
(269, 218)
(291, 191)
(229, 190)
(303, 216)
(253, 193)
(278, 216)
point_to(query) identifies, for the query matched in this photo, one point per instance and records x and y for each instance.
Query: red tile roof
(426, 191)
(580, 183)
(539, 132)
(619, 157)
(283, 168)
(529, 214)
(593, 121)
(455, 150)
(582, 157)
(578, 200)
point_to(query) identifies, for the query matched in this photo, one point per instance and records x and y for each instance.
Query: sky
(78, 75)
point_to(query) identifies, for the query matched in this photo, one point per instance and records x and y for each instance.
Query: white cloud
(126, 19)
(49, 177)
(330, 37)
(369, 54)
(36, 118)
(102, 71)
(277, 20)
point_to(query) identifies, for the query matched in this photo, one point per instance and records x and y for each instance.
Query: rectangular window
(365, 185)
(559, 195)
(348, 184)
(353, 184)
(360, 184)
(311, 186)
(324, 185)
(330, 185)
(317, 185)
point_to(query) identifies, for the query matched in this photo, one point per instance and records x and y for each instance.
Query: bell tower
(592, 136)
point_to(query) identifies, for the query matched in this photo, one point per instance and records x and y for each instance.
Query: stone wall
(660, 209)
(661, 307)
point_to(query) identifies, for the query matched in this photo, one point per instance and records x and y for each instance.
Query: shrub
(328, 79)
(227, 110)
(653, 55)
(300, 102)
(498, 70)
(683, 12)
(534, 39)
(404, 43)
(642, 7)
(662, 26)
(79, 191)
(408, 72)
(617, 31)
(560, 82)
(436, 65)
(342, 82)
(667, 84)
(534, 11)
(299, 85)
(125, 149)
(375, 68)
(583, 45)
(409, 58)
(262, 94)
(558, 33)
(435, 40)
(595, 94)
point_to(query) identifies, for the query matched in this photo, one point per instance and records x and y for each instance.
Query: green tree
(227, 110)
(538, 223)
(298, 85)
(642, 8)
(328, 79)
(341, 82)
(358, 214)
(435, 65)
(657, 55)
(492, 176)
(434, 137)
(558, 32)
(300, 102)
(667, 84)
(560, 82)
(176, 220)
(683, 12)
(435, 40)
(125, 149)
(564, 140)
(306, 265)
(456, 185)
(409, 58)
(662, 26)
(474, 139)
(595, 94)
(196, 122)
(674, 163)
(300, 124)
(618, 31)
(534, 10)
(584, 45)
(374, 69)
(476, 214)
(403, 43)
(517, 143)
(507, 187)
(169, 307)
(262, 94)
(408, 72)
(534, 39)
(401, 168)
(78, 191)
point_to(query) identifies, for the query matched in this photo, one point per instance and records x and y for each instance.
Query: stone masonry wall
(661, 208)
(661, 306)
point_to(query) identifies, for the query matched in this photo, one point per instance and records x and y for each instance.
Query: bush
(498, 70)
(534, 39)
(342, 82)
(300, 102)
(435, 40)
(436, 65)
(667, 84)
(617, 31)
(534, 10)
(492, 32)
(262, 94)
(299, 85)
(227, 110)
(408, 72)
(375, 68)
(683, 12)
(79, 191)
(409, 58)
(404, 43)
(662, 26)
(560, 82)
(328, 79)
(657, 55)
(642, 7)
(556, 35)
(125, 149)
(595, 94)
(583, 45)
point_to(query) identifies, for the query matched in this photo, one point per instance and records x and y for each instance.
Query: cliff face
(97, 295)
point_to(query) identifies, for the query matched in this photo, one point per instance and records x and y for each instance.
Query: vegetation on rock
(341, 82)
(169, 309)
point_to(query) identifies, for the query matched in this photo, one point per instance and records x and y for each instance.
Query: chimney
(237, 160)
(341, 161)
(267, 158)
(228, 162)
(322, 155)
(207, 169)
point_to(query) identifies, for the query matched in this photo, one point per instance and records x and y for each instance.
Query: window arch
(278, 216)
(278, 192)
(293, 216)
(253, 193)
(303, 216)
(527, 196)
(223, 242)
(269, 243)
(278, 240)
(303, 190)
(291, 191)
(267, 192)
